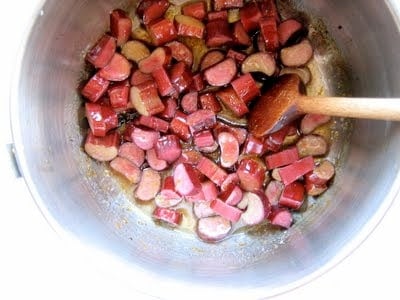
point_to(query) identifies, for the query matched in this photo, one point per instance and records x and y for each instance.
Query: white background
(37, 264)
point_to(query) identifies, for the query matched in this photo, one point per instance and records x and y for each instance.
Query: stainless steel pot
(81, 200)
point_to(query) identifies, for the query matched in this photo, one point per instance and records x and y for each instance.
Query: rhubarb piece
(118, 69)
(313, 145)
(203, 139)
(135, 51)
(145, 139)
(268, 9)
(168, 148)
(160, 57)
(95, 88)
(222, 73)
(251, 172)
(138, 77)
(256, 206)
(240, 36)
(229, 98)
(126, 168)
(292, 195)
(321, 174)
(201, 119)
(164, 85)
(239, 57)
(229, 146)
(101, 118)
(296, 170)
(282, 158)
(239, 133)
(154, 162)
(132, 152)
(189, 26)
(269, 32)
(273, 191)
(232, 196)
(102, 148)
(281, 217)
(170, 108)
(102, 52)
(119, 94)
(154, 123)
(146, 102)
(213, 229)
(209, 190)
(120, 26)
(141, 34)
(313, 189)
(287, 29)
(218, 33)
(310, 122)
(253, 145)
(196, 10)
(250, 16)
(297, 55)
(212, 171)
(197, 83)
(273, 142)
(259, 62)
(185, 180)
(181, 77)
(180, 129)
(180, 52)
(226, 4)
(189, 102)
(170, 216)
(202, 209)
(168, 197)
(151, 10)
(225, 210)
(210, 102)
(246, 88)
(149, 185)
(162, 31)
(211, 58)
(217, 15)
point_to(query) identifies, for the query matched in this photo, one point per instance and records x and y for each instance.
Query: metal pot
(81, 200)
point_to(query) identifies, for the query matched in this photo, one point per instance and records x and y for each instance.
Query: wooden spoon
(284, 102)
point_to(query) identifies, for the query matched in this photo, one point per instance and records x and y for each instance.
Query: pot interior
(356, 54)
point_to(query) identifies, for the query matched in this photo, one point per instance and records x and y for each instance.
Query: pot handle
(13, 160)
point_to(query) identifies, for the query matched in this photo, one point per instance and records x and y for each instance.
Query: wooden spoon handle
(364, 108)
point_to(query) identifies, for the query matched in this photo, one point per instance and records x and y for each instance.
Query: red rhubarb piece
(102, 52)
(296, 170)
(120, 26)
(95, 88)
(292, 195)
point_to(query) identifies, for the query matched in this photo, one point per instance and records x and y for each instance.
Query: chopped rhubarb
(250, 16)
(185, 180)
(282, 158)
(139, 77)
(203, 139)
(168, 148)
(240, 36)
(197, 83)
(120, 26)
(269, 32)
(181, 77)
(210, 102)
(196, 10)
(180, 52)
(218, 33)
(256, 206)
(170, 108)
(168, 194)
(246, 87)
(154, 123)
(102, 52)
(225, 4)
(200, 120)
(253, 145)
(101, 118)
(239, 133)
(251, 172)
(154, 162)
(281, 217)
(210, 190)
(273, 142)
(132, 152)
(95, 88)
(102, 148)
(189, 26)
(296, 170)
(217, 15)
(180, 128)
(126, 168)
(211, 170)
(160, 57)
(189, 102)
(229, 97)
(118, 69)
(119, 94)
(162, 31)
(164, 85)
(168, 215)
(232, 196)
(225, 210)
(146, 102)
(229, 146)
(145, 138)
(153, 9)
(292, 195)
(239, 57)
